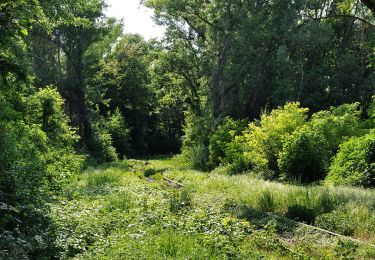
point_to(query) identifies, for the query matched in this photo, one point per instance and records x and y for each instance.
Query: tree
(70, 31)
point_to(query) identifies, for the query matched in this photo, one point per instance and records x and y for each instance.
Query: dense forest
(274, 90)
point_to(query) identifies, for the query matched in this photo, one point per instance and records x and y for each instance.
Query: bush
(337, 124)
(354, 163)
(305, 156)
(119, 131)
(101, 143)
(222, 147)
(45, 108)
(36, 159)
(307, 152)
(110, 137)
(196, 140)
(264, 139)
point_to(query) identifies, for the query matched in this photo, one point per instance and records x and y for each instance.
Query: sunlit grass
(128, 209)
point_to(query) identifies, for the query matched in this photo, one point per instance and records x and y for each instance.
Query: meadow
(162, 209)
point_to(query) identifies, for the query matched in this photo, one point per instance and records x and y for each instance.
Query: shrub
(196, 140)
(265, 201)
(45, 108)
(36, 159)
(101, 143)
(354, 163)
(264, 139)
(119, 131)
(222, 147)
(307, 152)
(337, 124)
(304, 156)
(235, 158)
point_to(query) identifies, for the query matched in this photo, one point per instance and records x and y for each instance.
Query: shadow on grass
(259, 218)
(154, 157)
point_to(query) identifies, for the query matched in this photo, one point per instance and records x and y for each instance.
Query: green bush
(102, 143)
(354, 163)
(119, 131)
(36, 159)
(306, 153)
(222, 147)
(305, 156)
(263, 140)
(196, 141)
(337, 124)
(45, 108)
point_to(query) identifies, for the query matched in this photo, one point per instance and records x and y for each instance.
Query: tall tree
(72, 29)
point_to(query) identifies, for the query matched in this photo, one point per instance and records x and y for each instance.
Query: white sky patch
(137, 18)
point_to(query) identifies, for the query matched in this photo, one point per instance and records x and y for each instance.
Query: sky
(137, 18)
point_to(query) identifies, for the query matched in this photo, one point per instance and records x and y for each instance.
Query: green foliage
(196, 140)
(347, 250)
(336, 221)
(308, 151)
(124, 79)
(337, 124)
(110, 137)
(102, 143)
(152, 219)
(354, 163)
(179, 200)
(119, 131)
(101, 178)
(264, 139)
(266, 201)
(37, 160)
(305, 156)
(222, 142)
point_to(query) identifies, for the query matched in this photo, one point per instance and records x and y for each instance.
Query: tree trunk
(76, 92)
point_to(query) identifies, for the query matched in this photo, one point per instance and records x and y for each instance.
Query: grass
(127, 210)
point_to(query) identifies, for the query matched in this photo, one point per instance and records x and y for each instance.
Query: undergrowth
(119, 212)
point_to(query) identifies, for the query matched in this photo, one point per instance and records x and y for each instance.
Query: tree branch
(336, 16)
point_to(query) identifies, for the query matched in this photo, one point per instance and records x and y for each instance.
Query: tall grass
(305, 202)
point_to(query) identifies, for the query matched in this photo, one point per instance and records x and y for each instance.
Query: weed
(98, 178)
(179, 200)
(122, 202)
(265, 201)
(336, 221)
(346, 250)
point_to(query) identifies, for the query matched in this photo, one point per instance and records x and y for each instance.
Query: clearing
(161, 209)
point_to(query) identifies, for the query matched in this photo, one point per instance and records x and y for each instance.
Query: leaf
(24, 32)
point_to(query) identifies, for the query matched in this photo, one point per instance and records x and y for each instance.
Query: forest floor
(162, 209)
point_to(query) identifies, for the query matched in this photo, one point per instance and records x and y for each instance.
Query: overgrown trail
(161, 209)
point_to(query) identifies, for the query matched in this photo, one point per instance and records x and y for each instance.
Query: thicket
(37, 159)
(285, 144)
